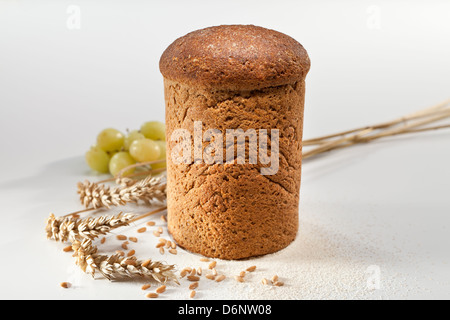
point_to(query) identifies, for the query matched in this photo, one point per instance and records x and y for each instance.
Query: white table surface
(385, 204)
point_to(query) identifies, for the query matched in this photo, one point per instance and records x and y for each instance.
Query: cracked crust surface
(235, 57)
(235, 77)
(231, 211)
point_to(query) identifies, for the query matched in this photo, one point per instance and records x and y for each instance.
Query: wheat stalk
(97, 195)
(415, 122)
(65, 229)
(115, 267)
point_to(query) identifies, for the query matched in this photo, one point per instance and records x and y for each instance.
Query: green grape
(133, 135)
(162, 156)
(119, 161)
(110, 139)
(144, 150)
(154, 130)
(97, 159)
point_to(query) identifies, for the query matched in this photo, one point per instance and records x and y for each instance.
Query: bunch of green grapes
(115, 150)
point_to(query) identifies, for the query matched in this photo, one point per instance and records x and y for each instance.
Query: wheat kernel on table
(142, 230)
(193, 286)
(212, 265)
(265, 281)
(275, 278)
(183, 273)
(192, 295)
(220, 278)
(159, 245)
(124, 246)
(151, 223)
(65, 285)
(161, 250)
(173, 251)
(133, 239)
(239, 279)
(131, 253)
(67, 249)
(251, 269)
(161, 289)
(210, 276)
(199, 271)
(214, 272)
(103, 240)
(151, 295)
(278, 284)
(193, 278)
(121, 237)
(242, 274)
(145, 286)
(204, 259)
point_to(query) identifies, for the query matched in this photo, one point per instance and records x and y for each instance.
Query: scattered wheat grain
(161, 289)
(220, 278)
(193, 286)
(278, 283)
(133, 239)
(193, 278)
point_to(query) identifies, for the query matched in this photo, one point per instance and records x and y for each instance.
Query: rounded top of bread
(239, 57)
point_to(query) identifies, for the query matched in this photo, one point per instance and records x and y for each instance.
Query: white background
(372, 61)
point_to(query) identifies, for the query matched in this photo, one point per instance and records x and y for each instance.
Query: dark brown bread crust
(235, 77)
(235, 57)
(232, 211)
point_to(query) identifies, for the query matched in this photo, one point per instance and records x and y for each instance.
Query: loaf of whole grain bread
(224, 78)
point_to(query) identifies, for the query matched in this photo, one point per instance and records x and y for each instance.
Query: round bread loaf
(228, 78)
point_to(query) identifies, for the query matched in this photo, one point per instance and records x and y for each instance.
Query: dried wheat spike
(99, 195)
(115, 267)
(70, 229)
